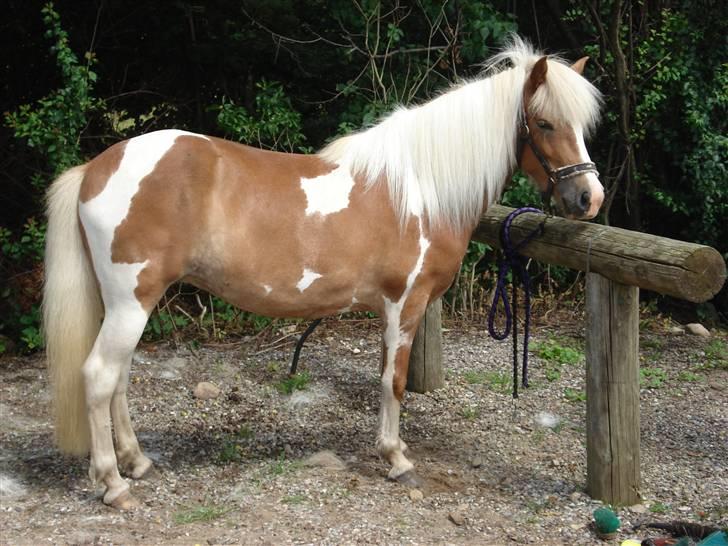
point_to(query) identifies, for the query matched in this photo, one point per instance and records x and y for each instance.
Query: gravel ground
(257, 466)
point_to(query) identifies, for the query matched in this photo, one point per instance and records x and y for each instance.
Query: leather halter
(555, 176)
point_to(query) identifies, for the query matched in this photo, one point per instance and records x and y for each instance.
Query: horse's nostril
(585, 200)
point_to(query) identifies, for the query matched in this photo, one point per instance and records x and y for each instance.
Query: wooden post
(425, 372)
(612, 391)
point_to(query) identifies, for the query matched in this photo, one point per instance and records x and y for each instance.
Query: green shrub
(52, 126)
(274, 124)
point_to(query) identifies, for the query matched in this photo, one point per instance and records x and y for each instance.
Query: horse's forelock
(565, 97)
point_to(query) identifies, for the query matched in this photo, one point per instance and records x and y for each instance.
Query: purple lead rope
(513, 261)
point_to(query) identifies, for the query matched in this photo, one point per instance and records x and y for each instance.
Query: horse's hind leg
(132, 461)
(401, 323)
(109, 359)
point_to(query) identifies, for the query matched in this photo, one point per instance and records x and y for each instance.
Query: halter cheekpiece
(555, 176)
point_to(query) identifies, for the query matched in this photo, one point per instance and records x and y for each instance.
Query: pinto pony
(379, 220)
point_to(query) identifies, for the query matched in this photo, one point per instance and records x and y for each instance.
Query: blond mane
(448, 157)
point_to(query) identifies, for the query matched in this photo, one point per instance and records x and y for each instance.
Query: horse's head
(559, 106)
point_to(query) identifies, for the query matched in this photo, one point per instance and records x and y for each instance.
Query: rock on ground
(10, 488)
(325, 459)
(698, 329)
(206, 391)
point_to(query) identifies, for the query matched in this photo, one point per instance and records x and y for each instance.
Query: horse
(378, 220)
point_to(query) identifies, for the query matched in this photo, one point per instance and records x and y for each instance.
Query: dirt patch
(237, 468)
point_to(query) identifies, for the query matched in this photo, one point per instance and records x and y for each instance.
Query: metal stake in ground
(300, 342)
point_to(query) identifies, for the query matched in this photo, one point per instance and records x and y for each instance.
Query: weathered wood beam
(684, 270)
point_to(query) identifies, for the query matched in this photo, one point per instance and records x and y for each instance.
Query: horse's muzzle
(581, 197)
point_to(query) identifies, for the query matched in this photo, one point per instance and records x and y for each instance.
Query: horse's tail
(72, 311)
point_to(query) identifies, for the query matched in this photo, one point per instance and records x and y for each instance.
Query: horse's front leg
(400, 324)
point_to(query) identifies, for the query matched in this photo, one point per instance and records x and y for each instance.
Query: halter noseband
(554, 175)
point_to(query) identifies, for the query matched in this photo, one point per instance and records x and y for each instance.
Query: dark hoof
(410, 479)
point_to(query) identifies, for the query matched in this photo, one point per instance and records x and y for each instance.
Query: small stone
(235, 397)
(289, 329)
(10, 487)
(309, 397)
(325, 459)
(717, 385)
(206, 391)
(698, 329)
(356, 350)
(82, 539)
(477, 462)
(547, 420)
(638, 509)
(416, 495)
(456, 517)
(170, 369)
(676, 330)
(684, 509)
(575, 496)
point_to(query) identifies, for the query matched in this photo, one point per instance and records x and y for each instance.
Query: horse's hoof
(126, 501)
(410, 479)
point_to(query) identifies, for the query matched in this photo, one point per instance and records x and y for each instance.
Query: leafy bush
(274, 125)
(52, 126)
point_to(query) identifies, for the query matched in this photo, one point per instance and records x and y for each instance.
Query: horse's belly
(311, 294)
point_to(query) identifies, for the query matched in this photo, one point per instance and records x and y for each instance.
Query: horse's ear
(538, 74)
(578, 66)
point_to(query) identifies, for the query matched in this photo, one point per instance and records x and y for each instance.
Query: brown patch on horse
(99, 170)
(164, 217)
(441, 263)
(184, 205)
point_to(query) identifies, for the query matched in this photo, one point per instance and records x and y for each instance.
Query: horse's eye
(543, 124)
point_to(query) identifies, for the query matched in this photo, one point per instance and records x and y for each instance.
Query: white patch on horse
(268, 289)
(102, 214)
(329, 192)
(307, 279)
(394, 337)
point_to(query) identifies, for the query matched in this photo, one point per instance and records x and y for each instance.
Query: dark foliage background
(81, 75)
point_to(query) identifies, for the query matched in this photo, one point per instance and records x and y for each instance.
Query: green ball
(606, 520)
